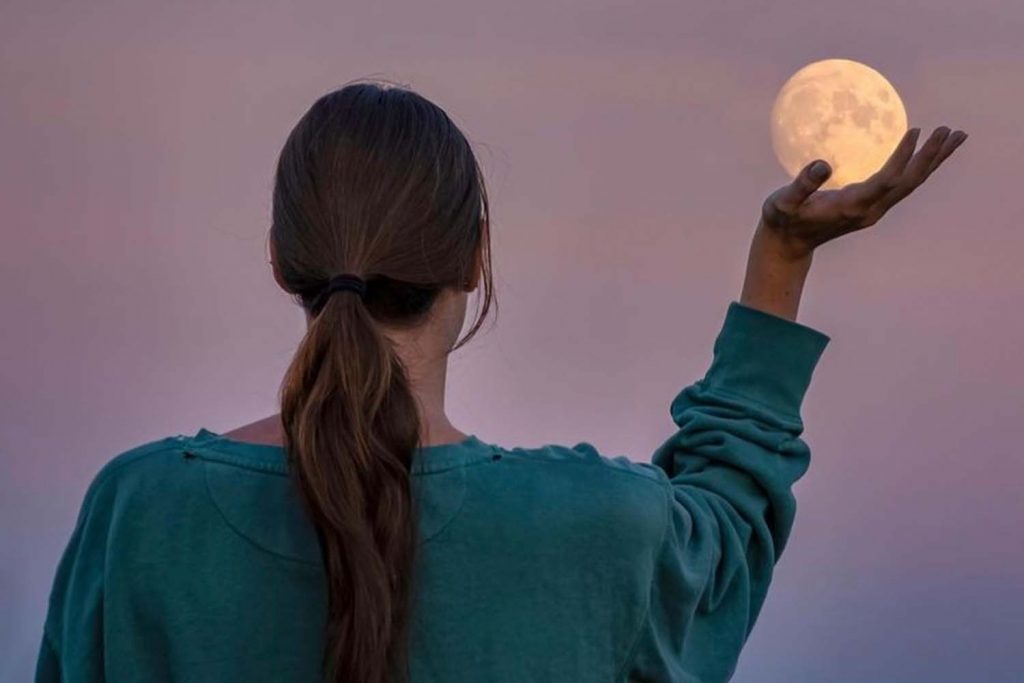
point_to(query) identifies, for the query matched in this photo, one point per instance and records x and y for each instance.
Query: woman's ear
(474, 278)
(273, 265)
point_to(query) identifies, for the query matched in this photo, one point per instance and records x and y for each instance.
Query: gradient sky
(627, 151)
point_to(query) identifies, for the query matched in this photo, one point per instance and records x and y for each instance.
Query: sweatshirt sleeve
(729, 471)
(71, 646)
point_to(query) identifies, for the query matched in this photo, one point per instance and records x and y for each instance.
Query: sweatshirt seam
(631, 652)
(451, 520)
(606, 467)
(113, 466)
(238, 532)
(228, 458)
(728, 393)
(290, 558)
(260, 465)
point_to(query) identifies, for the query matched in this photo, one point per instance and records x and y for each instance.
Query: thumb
(818, 171)
(810, 178)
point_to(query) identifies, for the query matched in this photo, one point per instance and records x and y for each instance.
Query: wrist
(775, 276)
(776, 244)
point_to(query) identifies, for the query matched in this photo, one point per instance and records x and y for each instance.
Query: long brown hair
(377, 181)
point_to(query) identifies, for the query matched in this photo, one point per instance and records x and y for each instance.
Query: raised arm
(730, 467)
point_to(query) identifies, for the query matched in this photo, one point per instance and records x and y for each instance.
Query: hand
(803, 219)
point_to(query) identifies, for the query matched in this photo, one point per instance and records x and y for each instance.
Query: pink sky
(627, 154)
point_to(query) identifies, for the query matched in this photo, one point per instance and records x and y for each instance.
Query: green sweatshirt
(191, 559)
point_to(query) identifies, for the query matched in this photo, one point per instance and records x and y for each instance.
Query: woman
(360, 536)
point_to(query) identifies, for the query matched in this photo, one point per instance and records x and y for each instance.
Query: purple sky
(627, 151)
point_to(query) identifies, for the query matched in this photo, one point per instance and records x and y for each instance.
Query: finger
(953, 141)
(788, 199)
(913, 175)
(917, 169)
(878, 185)
(899, 158)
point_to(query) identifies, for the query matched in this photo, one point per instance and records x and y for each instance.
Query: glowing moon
(841, 111)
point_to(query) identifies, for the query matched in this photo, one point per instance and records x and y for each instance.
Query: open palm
(807, 218)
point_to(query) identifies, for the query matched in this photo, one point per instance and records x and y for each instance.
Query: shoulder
(584, 456)
(143, 470)
(179, 492)
(627, 499)
(110, 499)
(141, 461)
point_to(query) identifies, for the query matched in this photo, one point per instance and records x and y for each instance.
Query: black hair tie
(339, 283)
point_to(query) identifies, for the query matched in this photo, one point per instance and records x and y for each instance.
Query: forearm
(775, 278)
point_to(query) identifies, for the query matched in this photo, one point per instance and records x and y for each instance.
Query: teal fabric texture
(192, 560)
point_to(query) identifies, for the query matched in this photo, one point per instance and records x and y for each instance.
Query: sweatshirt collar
(426, 459)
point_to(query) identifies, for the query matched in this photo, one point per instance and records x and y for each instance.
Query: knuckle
(772, 213)
(897, 190)
(852, 212)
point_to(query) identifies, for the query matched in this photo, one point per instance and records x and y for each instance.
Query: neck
(427, 373)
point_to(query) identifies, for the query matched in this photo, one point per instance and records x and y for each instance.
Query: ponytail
(377, 180)
(351, 427)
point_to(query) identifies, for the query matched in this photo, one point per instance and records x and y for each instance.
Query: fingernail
(819, 170)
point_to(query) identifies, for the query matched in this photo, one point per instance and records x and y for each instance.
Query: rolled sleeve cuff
(765, 358)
